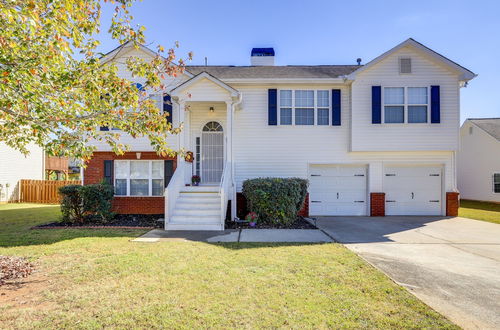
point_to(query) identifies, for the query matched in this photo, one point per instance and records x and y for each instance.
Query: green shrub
(71, 204)
(275, 200)
(90, 202)
(97, 201)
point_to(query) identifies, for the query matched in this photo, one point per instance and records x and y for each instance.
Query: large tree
(54, 90)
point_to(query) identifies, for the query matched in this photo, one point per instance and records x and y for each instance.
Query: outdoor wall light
(212, 109)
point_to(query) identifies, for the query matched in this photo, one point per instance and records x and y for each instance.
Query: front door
(212, 153)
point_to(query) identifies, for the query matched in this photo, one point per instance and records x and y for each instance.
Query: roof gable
(489, 125)
(465, 74)
(201, 77)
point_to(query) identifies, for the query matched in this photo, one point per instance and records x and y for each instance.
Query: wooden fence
(42, 191)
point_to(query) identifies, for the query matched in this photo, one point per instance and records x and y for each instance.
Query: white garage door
(412, 190)
(337, 190)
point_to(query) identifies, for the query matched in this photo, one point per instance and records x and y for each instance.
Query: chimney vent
(358, 60)
(262, 56)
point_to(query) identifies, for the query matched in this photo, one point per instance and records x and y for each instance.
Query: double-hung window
(139, 177)
(304, 107)
(406, 105)
(496, 183)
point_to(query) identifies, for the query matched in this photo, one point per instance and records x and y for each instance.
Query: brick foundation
(94, 173)
(242, 210)
(452, 204)
(377, 204)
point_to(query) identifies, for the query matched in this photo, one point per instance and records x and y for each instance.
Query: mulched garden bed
(300, 223)
(133, 221)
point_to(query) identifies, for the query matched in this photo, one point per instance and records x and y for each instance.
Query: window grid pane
(121, 187)
(157, 169)
(394, 114)
(286, 98)
(323, 99)
(323, 116)
(394, 95)
(417, 114)
(417, 95)
(286, 116)
(304, 98)
(157, 187)
(304, 116)
(139, 169)
(139, 187)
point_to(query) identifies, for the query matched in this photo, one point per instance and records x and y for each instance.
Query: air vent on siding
(405, 65)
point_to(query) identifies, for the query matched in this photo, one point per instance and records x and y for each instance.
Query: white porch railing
(173, 190)
(225, 190)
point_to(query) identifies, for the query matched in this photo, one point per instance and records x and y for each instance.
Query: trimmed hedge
(275, 200)
(93, 202)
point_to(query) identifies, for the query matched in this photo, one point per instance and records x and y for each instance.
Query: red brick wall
(242, 210)
(452, 204)
(94, 173)
(377, 204)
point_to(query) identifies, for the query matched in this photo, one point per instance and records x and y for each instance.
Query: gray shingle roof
(274, 72)
(489, 125)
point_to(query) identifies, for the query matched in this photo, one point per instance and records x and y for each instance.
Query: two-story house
(375, 139)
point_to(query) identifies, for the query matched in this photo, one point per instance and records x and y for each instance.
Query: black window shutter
(336, 109)
(167, 107)
(168, 168)
(272, 110)
(435, 105)
(376, 104)
(108, 171)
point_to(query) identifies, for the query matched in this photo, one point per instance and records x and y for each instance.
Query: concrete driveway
(452, 264)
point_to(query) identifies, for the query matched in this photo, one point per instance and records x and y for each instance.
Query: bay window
(405, 105)
(139, 177)
(304, 107)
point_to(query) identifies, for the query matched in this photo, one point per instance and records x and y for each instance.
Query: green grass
(479, 210)
(98, 278)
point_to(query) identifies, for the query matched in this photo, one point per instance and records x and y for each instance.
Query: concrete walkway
(452, 264)
(238, 235)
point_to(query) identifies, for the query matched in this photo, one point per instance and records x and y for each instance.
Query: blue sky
(331, 32)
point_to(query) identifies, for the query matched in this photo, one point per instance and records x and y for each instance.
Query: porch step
(191, 219)
(193, 226)
(201, 195)
(200, 189)
(200, 212)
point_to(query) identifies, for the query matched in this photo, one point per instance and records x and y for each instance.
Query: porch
(205, 107)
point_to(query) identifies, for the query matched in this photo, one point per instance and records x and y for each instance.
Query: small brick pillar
(377, 204)
(452, 204)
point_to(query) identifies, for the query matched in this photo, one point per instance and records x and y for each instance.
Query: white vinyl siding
(304, 107)
(139, 177)
(367, 137)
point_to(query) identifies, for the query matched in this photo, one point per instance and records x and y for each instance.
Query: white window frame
(315, 107)
(406, 105)
(493, 182)
(150, 177)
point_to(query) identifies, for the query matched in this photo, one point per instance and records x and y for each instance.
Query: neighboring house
(14, 166)
(479, 160)
(378, 139)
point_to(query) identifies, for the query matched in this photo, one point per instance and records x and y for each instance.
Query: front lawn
(479, 210)
(98, 278)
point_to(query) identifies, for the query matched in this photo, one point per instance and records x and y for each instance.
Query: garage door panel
(337, 190)
(413, 190)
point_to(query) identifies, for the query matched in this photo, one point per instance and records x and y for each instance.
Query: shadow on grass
(485, 206)
(16, 224)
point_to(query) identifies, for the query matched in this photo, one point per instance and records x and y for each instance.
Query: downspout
(234, 206)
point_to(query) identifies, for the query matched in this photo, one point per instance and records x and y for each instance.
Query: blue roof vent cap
(262, 51)
(262, 56)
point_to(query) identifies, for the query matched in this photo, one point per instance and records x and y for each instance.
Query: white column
(180, 106)
(229, 155)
